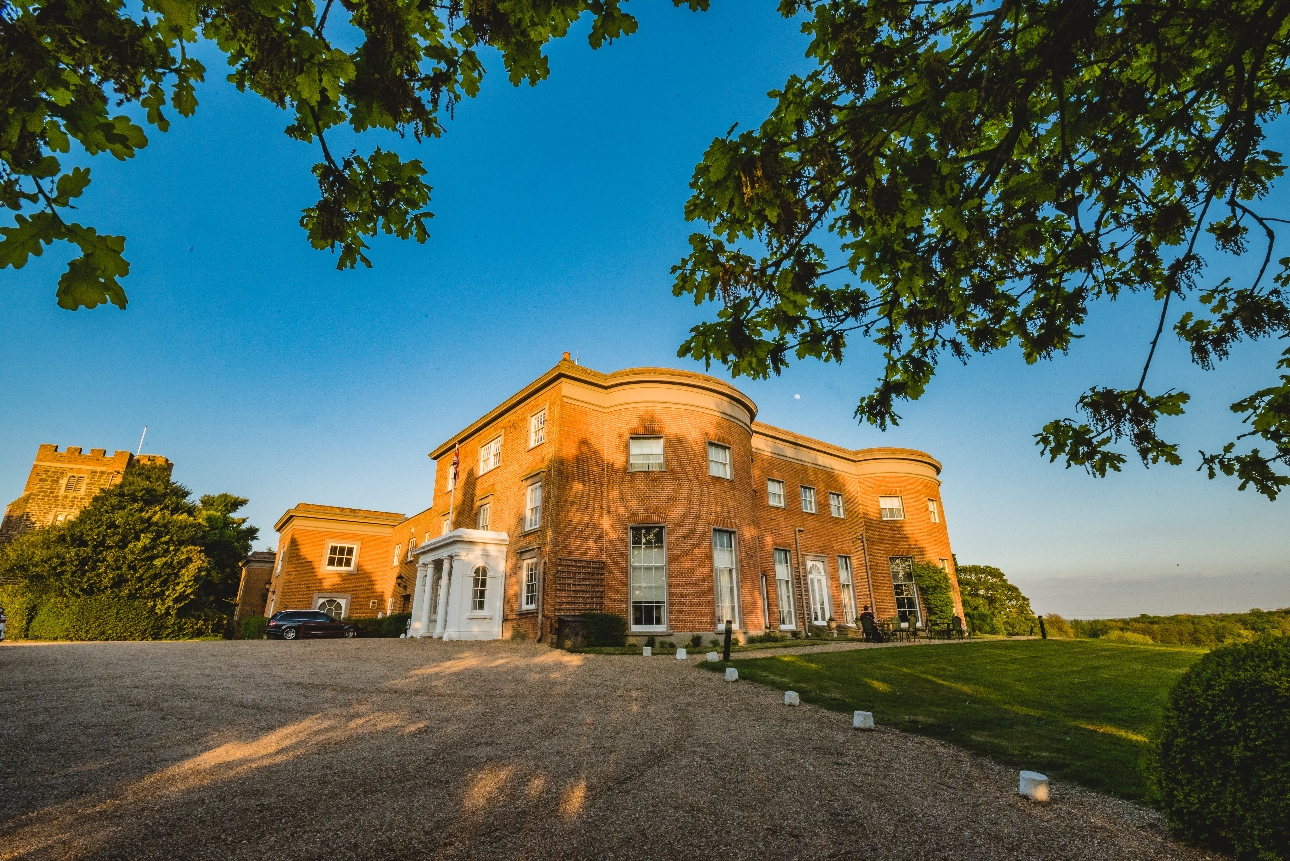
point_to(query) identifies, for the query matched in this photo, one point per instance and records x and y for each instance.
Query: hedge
(605, 629)
(99, 618)
(392, 625)
(19, 608)
(1223, 755)
(252, 628)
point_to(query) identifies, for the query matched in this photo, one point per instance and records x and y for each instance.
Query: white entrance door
(818, 579)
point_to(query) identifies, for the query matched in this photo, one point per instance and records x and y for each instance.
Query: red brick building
(650, 493)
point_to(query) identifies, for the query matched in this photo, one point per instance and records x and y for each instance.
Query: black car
(307, 625)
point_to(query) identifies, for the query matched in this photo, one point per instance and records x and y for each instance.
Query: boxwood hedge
(1223, 756)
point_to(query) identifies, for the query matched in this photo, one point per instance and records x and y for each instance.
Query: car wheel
(290, 633)
(350, 632)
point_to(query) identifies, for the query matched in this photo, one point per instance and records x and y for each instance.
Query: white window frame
(837, 507)
(537, 428)
(933, 510)
(483, 516)
(398, 553)
(342, 599)
(889, 512)
(722, 467)
(847, 586)
(529, 577)
(478, 594)
(771, 484)
(282, 558)
(644, 465)
(532, 513)
(490, 455)
(903, 586)
(717, 575)
(817, 585)
(805, 492)
(784, 588)
(632, 568)
(353, 559)
(412, 546)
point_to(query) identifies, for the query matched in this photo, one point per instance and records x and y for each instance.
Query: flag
(456, 459)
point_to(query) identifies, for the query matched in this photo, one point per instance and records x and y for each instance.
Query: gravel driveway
(392, 749)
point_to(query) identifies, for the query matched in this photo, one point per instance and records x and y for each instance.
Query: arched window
(480, 591)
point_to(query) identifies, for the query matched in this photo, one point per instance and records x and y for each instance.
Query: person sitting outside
(870, 626)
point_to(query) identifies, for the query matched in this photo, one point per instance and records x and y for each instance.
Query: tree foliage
(143, 539)
(94, 72)
(991, 603)
(957, 177)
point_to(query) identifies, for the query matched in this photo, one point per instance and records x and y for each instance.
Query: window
(412, 545)
(75, 484)
(933, 511)
(490, 455)
(835, 505)
(902, 581)
(648, 577)
(848, 589)
(537, 429)
(808, 499)
(529, 585)
(775, 492)
(482, 515)
(784, 588)
(892, 507)
(723, 575)
(333, 607)
(447, 526)
(398, 553)
(282, 558)
(533, 507)
(341, 556)
(817, 580)
(718, 460)
(645, 454)
(479, 590)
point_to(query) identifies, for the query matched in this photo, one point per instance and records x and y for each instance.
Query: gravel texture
(392, 749)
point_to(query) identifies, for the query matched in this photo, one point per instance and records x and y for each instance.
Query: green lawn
(1075, 709)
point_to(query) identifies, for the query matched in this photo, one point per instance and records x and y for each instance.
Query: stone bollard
(1034, 786)
(732, 675)
(713, 656)
(862, 720)
(792, 699)
(680, 654)
(647, 650)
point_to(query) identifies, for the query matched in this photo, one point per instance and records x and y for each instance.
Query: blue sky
(262, 371)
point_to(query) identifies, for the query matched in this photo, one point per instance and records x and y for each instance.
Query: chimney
(566, 355)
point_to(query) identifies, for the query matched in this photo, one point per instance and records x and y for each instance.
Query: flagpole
(452, 483)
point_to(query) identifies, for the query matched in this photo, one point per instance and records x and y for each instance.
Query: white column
(441, 622)
(422, 610)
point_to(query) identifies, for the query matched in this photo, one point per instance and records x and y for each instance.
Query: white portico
(461, 583)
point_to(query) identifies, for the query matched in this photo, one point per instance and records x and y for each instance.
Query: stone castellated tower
(63, 482)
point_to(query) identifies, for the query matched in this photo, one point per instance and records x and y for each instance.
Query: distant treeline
(1183, 630)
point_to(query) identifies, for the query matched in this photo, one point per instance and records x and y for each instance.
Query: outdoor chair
(959, 633)
(871, 633)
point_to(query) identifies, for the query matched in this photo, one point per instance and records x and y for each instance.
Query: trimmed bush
(253, 628)
(605, 629)
(97, 618)
(19, 608)
(1223, 756)
(387, 626)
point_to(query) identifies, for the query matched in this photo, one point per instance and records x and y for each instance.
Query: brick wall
(61, 483)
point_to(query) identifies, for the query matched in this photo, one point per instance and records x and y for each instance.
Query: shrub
(934, 588)
(605, 629)
(1128, 637)
(19, 608)
(1223, 756)
(1059, 627)
(253, 627)
(767, 637)
(387, 626)
(99, 618)
(696, 641)
(649, 641)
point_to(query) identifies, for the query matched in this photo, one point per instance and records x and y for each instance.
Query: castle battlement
(61, 483)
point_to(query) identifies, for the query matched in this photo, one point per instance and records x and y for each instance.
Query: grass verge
(1074, 709)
